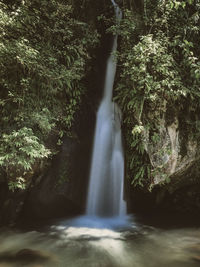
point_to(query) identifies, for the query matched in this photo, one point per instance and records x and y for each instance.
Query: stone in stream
(30, 257)
(196, 258)
(194, 252)
(36, 258)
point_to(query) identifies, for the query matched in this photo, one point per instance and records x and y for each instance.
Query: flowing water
(67, 244)
(105, 194)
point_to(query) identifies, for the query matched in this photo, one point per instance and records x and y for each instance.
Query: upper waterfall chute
(118, 12)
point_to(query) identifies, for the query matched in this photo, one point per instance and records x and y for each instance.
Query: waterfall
(106, 186)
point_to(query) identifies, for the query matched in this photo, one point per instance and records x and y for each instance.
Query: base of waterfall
(114, 223)
(141, 245)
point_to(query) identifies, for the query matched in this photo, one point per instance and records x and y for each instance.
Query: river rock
(30, 255)
(26, 256)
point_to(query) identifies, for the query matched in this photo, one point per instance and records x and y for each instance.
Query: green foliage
(19, 151)
(18, 183)
(159, 64)
(151, 72)
(44, 50)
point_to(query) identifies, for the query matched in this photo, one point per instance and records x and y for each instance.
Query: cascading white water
(105, 195)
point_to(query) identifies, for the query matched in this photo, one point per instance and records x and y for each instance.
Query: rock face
(165, 156)
(175, 160)
(62, 190)
(10, 204)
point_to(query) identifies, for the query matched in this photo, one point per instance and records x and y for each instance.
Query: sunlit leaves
(19, 151)
(19, 183)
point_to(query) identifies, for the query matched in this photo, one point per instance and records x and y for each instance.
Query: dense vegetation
(159, 75)
(44, 50)
(45, 47)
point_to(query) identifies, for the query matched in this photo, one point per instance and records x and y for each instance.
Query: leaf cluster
(19, 151)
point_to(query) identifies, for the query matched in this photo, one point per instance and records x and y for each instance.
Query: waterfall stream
(105, 194)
